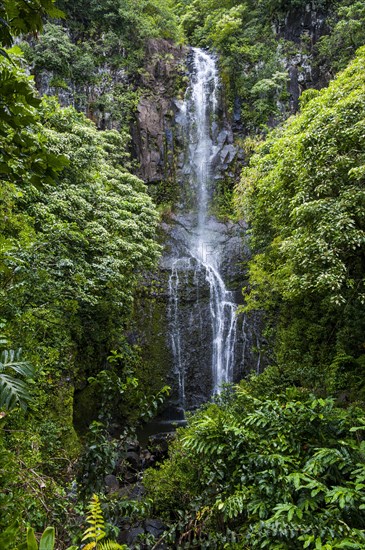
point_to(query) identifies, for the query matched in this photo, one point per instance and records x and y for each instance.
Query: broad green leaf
(31, 540)
(47, 541)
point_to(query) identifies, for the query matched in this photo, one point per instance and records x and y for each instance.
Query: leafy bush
(283, 473)
(347, 34)
(304, 200)
(77, 230)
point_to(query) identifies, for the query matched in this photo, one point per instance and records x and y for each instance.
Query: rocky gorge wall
(159, 147)
(173, 307)
(303, 27)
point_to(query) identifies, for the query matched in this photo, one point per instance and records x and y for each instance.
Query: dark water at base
(165, 423)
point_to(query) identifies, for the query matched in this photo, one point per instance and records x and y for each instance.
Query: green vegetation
(77, 231)
(251, 59)
(347, 33)
(250, 472)
(304, 199)
(277, 462)
(96, 532)
(47, 540)
(254, 58)
(93, 59)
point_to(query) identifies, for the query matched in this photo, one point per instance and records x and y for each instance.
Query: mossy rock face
(85, 408)
(150, 330)
(154, 131)
(62, 411)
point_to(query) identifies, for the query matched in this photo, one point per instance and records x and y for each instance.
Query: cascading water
(200, 234)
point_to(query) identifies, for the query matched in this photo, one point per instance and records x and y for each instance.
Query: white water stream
(202, 245)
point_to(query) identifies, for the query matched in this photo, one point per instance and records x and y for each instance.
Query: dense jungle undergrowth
(277, 462)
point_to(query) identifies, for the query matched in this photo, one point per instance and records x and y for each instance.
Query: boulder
(154, 527)
(133, 460)
(130, 536)
(111, 483)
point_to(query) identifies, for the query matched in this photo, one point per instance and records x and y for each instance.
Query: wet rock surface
(194, 314)
(154, 128)
(303, 25)
(111, 483)
(176, 308)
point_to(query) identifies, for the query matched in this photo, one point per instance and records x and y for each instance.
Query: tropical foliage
(303, 195)
(265, 473)
(47, 540)
(77, 230)
(252, 68)
(94, 59)
(347, 34)
(96, 530)
(275, 463)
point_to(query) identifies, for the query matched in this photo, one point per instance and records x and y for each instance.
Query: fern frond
(111, 545)
(96, 531)
(95, 519)
(13, 390)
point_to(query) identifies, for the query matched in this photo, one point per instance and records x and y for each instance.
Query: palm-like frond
(14, 390)
(10, 359)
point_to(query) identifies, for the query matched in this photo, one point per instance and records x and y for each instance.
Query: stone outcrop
(309, 20)
(303, 26)
(85, 97)
(164, 80)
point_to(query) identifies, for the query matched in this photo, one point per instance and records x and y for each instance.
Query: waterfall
(200, 233)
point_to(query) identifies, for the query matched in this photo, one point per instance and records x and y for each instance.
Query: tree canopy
(77, 231)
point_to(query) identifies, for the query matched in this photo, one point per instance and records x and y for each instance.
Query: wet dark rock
(130, 476)
(154, 527)
(222, 138)
(132, 445)
(228, 154)
(194, 309)
(307, 24)
(130, 532)
(111, 483)
(133, 459)
(137, 492)
(307, 20)
(133, 491)
(153, 132)
(158, 445)
(147, 459)
(82, 96)
(237, 112)
(293, 88)
(129, 536)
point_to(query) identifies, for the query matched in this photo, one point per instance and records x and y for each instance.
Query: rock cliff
(164, 81)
